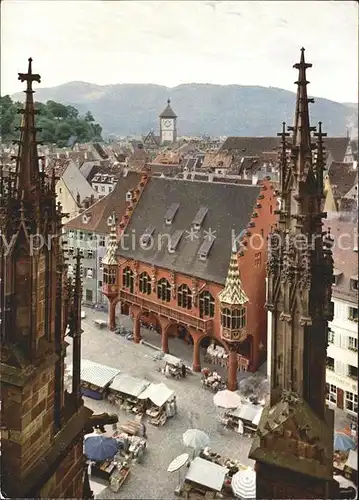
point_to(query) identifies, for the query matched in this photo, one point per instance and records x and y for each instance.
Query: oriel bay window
(184, 297)
(234, 319)
(164, 290)
(145, 283)
(127, 279)
(109, 275)
(206, 304)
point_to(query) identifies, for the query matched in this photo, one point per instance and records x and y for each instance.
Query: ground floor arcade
(196, 333)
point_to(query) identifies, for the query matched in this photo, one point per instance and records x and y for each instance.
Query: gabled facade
(293, 447)
(72, 189)
(42, 425)
(173, 260)
(88, 231)
(342, 354)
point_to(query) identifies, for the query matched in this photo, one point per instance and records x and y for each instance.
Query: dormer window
(205, 248)
(198, 220)
(110, 220)
(174, 241)
(171, 212)
(146, 238)
(129, 196)
(85, 218)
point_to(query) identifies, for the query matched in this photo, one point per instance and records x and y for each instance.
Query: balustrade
(168, 312)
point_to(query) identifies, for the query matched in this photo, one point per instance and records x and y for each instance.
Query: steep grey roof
(250, 146)
(229, 207)
(76, 182)
(337, 146)
(168, 111)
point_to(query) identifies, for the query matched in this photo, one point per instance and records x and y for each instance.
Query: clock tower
(168, 124)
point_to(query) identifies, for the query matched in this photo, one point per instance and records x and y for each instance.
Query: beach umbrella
(227, 399)
(196, 439)
(343, 442)
(244, 484)
(99, 448)
(177, 463)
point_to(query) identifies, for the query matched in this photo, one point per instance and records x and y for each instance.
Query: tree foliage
(61, 125)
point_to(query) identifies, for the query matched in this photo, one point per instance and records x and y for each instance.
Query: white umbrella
(177, 463)
(227, 399)
(244, 484)
(194, 438)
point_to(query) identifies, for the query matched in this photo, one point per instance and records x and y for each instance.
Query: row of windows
(164, 290)
(83, 236)
(103, 188)
(87, 254)
(233, 319)
(351, 344)
(350, 371)
(351, 400)
(109, 276)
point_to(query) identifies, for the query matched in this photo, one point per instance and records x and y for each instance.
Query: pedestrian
(144, 433)
(184, 371)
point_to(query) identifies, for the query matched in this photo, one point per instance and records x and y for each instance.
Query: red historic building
(172, 260)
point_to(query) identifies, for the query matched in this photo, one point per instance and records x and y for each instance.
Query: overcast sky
(173, 42)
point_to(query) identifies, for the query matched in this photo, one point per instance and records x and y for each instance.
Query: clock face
(166, 123)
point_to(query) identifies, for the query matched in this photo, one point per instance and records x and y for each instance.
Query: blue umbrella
(99, 448)
(343, 442)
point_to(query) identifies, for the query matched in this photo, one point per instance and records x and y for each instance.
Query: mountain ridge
(202, 108)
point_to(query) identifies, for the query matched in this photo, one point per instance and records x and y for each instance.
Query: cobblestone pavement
(150, 479)
(195, 409)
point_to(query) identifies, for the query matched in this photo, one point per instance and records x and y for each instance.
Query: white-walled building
(342, 353)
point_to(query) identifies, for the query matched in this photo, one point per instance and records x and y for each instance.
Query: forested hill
(215, 110)
(60, 124)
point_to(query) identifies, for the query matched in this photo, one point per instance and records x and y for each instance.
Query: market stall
(351, 467)
(160, 402)
(96, 378)
(212, 381)
(126, 390)
(232, 464)
(173, 367)
(243, 419)
(203, 478)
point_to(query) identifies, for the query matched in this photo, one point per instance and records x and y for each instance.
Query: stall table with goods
(125, 390)
(212, 380)
(160, 403)
(204, 479)
(173, 367)
(243, 419)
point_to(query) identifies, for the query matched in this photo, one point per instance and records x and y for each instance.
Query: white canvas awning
(352, 461)
(206, 473)
(96, 374)
(127, 384)
(157, 393)
(248, 412)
